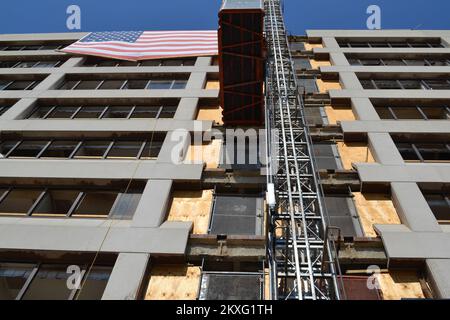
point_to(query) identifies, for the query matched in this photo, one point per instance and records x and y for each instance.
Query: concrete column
(187, 109)
(152, 208)
(126, 278)
(338, 59)
(203, 61)
(439, 277)
(20, 109)
(330, 42)
(384, 149)
(73, 62)
(349, 80)
(51, 82)
(364, 109)
(412, 207)
(174, 147)
(197, 80)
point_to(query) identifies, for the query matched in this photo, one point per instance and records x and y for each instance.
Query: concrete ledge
(414, 245)
(103, 238)
(410, 172)
(92, 127)
(98, 169)
(438, 271)
(396, 126)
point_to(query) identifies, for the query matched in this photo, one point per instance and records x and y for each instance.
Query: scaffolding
(301, 255)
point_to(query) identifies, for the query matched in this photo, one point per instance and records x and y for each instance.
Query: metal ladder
(302, 263)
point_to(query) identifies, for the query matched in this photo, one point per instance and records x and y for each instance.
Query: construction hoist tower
(301, 255)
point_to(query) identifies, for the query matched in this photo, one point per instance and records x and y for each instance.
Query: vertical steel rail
(296, 256)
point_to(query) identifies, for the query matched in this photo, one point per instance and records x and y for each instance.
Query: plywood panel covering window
(173, 282)
(335, 114)
(210, 114)
(401, 284)
(194, 206)
(326, 85)
(208, 153)
(316, 64)
(351, 153)
(373, 209)
(311, 46)
(212, 84)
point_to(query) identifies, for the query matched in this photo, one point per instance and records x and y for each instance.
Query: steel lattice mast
(302, 264)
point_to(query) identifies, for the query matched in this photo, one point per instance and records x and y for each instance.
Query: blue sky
(31, 16)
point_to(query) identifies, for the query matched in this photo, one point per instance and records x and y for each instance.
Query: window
(62, 113)
(95, 204)
(3, 109)
(18, 85)
(60, 149)
(125, 150)
(88, 85)
(25, 64)
(92, 150)
(437, 84)
(19, 201)
(47, 64)
(414, 112)
(410, 84)
(424, 84)
(90, 112)
(45, 281)
(6, 147)
(387, 84)
(111, 85)
(28, 149)
(40, 112)
(168, 112)
(136, 84)
(440, 205)
(151, 150)
(146, 112)
(13, 277)
(118, 112)
(56, 203)
(418, 43)
(159, 84)
(424, 152)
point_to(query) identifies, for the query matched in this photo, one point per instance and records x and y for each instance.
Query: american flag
(146, 45)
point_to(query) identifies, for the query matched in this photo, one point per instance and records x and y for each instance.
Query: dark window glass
(92, 149)
(437, 62)
(4, 84)
(393, 62)
(12, 279)
(367, 84)
(3, 109)
(51, 46)
(28, 149)
(68, 85)
(179, 84)
(159, 84)
(354, 62)
(7, 64)
(434, 84)
(50, 283)
(25, 64)
(128, 63)
(136, 84)
(107, 63)
(59, 149)
(40, 112)
(117, 112)
(145, 112)
(302, 63)
(407, 151)
(32, 47)
(5, 147)
(125, 149)
(14, 48)
(434, 152)
(387, 84)
(95, 204)
(19, 201)
(89, 112)
(151, 150)
(359, 45)
(379, 44)
(407, 113)
(111, 84)
(88, 85)
(168, 112)
(151, 63)
(55, 202)
(189, 62)
(384, 113)
(411, 84)
(172, 62)
(20, 85)
(435, 112)
(439, 205)
(415, 62)
(62, 112)
(371, 62)
(46, 64)
(94, 283)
